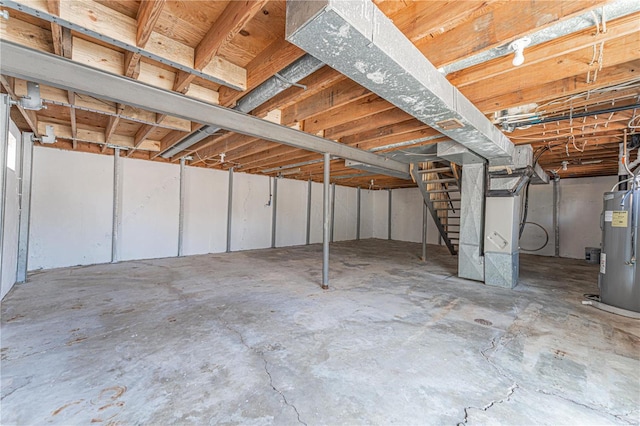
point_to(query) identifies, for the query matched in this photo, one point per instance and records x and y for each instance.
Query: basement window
(11, 152)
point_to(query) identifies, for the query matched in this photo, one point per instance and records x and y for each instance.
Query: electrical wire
(546, 237)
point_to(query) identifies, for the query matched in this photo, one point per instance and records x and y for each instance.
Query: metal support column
(309, 212)
(183, 188)
(274, 212)
(325, 221)
(389, 216)
(556, 215)
(359, 203)
(229, 209)
(5, 108)
(424, 232)
(26, 161)
(117, 208)
(333, 209)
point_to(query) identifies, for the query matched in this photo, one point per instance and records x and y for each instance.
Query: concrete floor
(250, 338)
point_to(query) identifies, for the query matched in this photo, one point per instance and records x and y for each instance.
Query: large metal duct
(290, 75)
(357, 39)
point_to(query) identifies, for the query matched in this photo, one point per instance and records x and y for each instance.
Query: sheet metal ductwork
(357, 39)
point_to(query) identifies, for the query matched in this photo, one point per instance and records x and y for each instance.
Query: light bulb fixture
(518, 47)
(564, 165)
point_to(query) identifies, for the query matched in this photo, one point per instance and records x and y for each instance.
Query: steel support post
(333, 209)
(359, 203)
(389, 216)
(424, 232)
(274, 212)
(5, 108)
(309, 212)
(117, 208)
(183, 189)
(229, 209)
(26, 163)
(325, 220)
(556, 216)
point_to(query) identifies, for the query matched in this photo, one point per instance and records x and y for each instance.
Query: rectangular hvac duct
(357, 39)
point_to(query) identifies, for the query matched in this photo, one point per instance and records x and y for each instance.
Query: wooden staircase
(439, 183)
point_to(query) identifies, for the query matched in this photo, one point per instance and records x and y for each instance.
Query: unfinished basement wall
(72, 210)
(206, 200)
(579, 217)
(9, 248)
(71, 205)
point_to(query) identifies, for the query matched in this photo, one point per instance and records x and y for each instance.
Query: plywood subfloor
(250, 338)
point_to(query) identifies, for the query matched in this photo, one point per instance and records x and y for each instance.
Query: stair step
(437, 170)
(447, 208)
(446, 180)
(439, 191)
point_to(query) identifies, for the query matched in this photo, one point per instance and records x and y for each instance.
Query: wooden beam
(274, 58)
(29, 116)
(560, 47)
(234, 17)
(141, 135)
(93, 17)
(148, 14)
(564, 87)
(131, 64)
(506, 22)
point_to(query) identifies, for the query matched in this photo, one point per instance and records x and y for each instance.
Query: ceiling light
(564, 165)
(518, 47)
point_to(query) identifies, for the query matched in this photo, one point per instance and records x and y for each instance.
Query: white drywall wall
(9, 249)
(251, 216)
(71, 209)
(205, 211)
(291, 218)
(345, 211)
(150, 205)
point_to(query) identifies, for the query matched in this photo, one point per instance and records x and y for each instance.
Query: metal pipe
(333, 208)
(309, 212)
(574, 116)
(325, 221)
(26, 173)
(389, 216)
(117, 192)
(359, 200)
(424, 232)
(5, 109)
(229, 209)
(274, 212)
(183, 190)
(556, 215)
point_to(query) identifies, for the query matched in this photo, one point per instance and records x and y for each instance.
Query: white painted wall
(150, 205)
(381, 214)
(367, 214)
(205, 209)
(291, 218)
(251, 223)
(9, 249)
(71, 209)
(316, 213)
(580, 208)
(345, 211)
